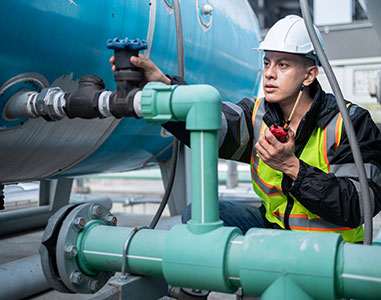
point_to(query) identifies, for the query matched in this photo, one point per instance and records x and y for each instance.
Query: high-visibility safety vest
(267, 182)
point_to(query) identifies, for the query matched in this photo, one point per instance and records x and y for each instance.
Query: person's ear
(311, 73)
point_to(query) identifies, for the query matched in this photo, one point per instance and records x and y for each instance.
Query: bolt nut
(96, 211)
(111, 220)
(94, 286)
(207, 9)
(77, 278)
(79, 223)
(71, 251)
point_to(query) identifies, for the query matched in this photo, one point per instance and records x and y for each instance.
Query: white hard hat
(290, 35)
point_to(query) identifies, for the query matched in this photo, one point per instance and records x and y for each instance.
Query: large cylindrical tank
(55, 42)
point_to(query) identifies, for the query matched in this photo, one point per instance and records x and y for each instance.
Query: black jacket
(335, 199)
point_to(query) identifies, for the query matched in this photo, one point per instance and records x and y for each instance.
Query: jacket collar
(322, 110)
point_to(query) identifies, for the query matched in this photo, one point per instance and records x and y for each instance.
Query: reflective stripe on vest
(303, 223)
(259, 127)
(270, 190)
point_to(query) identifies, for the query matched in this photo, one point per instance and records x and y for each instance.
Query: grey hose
(175, 151)
(179, 38)
(347, 122)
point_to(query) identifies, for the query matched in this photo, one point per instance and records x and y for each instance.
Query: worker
(309, 182)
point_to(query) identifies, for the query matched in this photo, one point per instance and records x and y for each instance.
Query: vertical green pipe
(361, 268)
(204, 176)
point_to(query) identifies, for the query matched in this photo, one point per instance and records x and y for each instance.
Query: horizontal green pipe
(102, 249)
(198, 260)
(361, 272)
(266, 263)
(305, 259)
(233, 260)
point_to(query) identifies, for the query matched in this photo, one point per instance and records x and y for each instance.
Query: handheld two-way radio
(281, 132)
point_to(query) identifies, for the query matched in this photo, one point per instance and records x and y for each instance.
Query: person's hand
(277, 155)
(150, 71)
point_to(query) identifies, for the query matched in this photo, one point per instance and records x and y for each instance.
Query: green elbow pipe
(197, 105)
(200, 107)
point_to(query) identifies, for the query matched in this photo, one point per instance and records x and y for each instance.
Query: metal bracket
(137, 288)
(124, 274)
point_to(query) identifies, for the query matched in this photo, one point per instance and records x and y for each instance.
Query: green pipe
(288, 259)
(361, 272)
(233, 259)
(272, 264)
(101, 248)
(200, 107)
(197, 260)
(204, 177)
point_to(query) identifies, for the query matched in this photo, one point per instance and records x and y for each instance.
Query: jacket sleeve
(336, 196)
(236, 135)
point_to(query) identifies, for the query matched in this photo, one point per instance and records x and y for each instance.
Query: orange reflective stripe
(320, 229)
(337, 131)
(303, 222)
(258, 185)
(255, 110)
(263, 182)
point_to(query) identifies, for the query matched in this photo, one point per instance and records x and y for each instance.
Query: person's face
(283, 75)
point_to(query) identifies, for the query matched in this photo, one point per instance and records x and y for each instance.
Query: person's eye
(266, 63)
(283, 65)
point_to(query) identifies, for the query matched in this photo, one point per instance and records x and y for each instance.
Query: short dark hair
(307, 62)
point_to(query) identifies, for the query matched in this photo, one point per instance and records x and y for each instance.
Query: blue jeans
(232, 213)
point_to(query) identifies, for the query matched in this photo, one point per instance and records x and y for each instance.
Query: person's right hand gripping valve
(150, 71)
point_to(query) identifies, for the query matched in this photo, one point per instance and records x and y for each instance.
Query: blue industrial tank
(55, 42)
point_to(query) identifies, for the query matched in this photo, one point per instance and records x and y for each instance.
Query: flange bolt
(111, 220)
(79, 223)
(71, 251)
(94, 286)
(77, 278)
(96, 211)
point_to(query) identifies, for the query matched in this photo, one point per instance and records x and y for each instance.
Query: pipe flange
(74, 274)
(48, 248)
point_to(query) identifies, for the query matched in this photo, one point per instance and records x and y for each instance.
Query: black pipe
(175, 150)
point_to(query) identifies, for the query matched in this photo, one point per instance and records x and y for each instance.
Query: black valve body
(83, 102)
